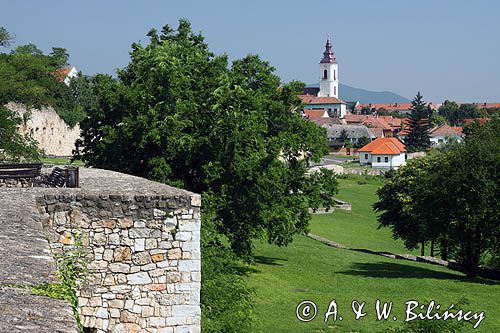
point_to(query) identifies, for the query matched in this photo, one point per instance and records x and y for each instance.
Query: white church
(326, 97)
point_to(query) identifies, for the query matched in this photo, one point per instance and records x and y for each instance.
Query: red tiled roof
(482, 121)
(355, 118)
(312, 99)
(444, 130)
(377, 123)
(314, 114)
(387, 106)
(377, 131)
(327, 121)
(61, 73)
(384, 146)
(393, 122)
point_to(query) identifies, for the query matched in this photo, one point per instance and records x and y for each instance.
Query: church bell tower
(329, 73)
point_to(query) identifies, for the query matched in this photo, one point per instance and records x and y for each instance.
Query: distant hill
(351, 94)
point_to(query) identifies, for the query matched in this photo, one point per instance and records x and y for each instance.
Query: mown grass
(61, 161)
(309, 270)
(358, 228)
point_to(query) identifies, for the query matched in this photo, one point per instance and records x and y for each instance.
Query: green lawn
(358, 228)
(60, 161)
(309, 270)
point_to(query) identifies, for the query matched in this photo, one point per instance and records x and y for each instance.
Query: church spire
(328, 56)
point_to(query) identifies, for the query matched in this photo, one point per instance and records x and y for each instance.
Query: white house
(383, 153)
(66, 74)
(442, 133)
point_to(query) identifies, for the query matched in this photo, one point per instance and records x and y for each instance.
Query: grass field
(60, 161)
(309, 270)
(358, 228)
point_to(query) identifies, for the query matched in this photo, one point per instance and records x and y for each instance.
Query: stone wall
(53, 135)
(19, 182)
(143, 240)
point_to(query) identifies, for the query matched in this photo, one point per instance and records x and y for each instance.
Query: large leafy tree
(449, 199)
(13, 146)
(417, 138)
(179, 115)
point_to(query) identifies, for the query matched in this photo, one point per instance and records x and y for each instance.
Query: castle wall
(144, 245)
(53, 135)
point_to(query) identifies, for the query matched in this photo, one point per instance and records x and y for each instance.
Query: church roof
(328, 55)
(311, 99)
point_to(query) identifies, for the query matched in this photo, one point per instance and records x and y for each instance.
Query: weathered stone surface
(20, 311)
(127, 224)
(139, 278)
(123, 253)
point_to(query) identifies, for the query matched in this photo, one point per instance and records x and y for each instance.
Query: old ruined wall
(53, 135)
(145, 255)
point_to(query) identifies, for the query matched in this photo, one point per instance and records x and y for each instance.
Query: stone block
(122, 253)
(125, 222)
(139, 244)
(139, 278)
(119, 268)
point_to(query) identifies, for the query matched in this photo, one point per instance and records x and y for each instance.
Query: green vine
(72, 271)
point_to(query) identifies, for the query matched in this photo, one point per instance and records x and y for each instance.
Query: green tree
(5, 37)
(177, 114)
(418, 126)
(449, 199)
(363, 141)
(344, 137)
(14, 146)
(181, 115)
(449, 110)
(27, 76)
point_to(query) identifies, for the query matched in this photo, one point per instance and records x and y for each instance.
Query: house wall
(363, 159)
(341, 108)
(440, 139)
(394, 161)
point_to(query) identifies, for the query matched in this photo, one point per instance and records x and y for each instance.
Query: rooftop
(312, 99)
(384, 146)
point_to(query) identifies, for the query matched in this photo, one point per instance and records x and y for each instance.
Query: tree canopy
(180, 115)
(29, 77)
(417, 138)
(449, 199)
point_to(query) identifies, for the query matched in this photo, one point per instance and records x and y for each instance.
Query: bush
(226, 304)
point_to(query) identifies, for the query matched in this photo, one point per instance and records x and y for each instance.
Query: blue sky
(446, 49)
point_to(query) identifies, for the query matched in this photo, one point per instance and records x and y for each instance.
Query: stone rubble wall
(19, 182)
(53, 135)
(145, 273)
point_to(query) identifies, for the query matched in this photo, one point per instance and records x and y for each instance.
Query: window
(366, 156)
(378, 159)
(335, 90)
(386, 159)
(325, 74)
(334, 74)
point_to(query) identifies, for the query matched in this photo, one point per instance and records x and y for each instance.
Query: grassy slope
(344, 275)
(328, 273)
(357, 228)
